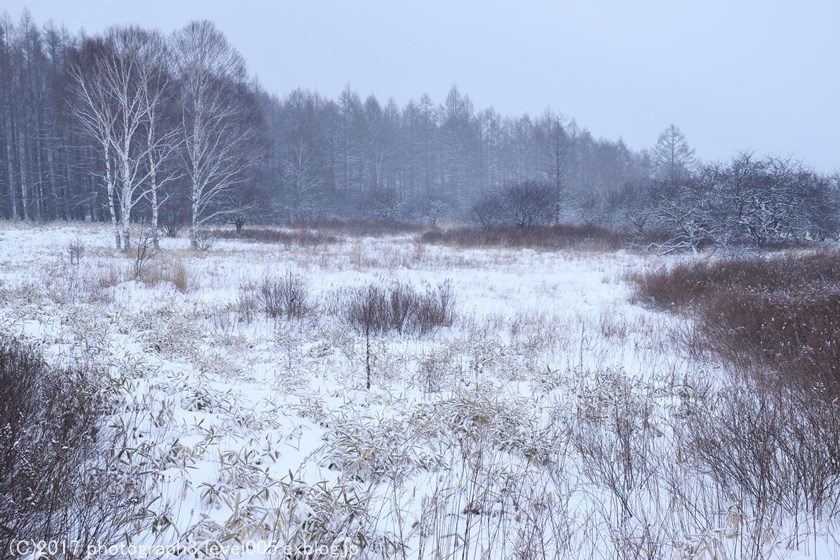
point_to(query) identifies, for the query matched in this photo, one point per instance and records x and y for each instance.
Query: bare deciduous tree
(218, 119)
(119, 87)
(520, 204)
(162, 131)
(302, 181)
(96, 112)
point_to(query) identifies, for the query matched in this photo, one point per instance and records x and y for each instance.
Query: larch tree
(673, 157)
(351, 148)
(557, 146)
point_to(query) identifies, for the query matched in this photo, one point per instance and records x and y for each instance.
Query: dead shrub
(616, 438)
(769, 450)
(203, 240)
(777, 315)
(56, 481)
(791, 333)
(769, 439)
(145, 249)
(75, 251)
(287, 296)
(697, 281)
(171, 229)
(436, 308)
(397, 307)
(367, 310)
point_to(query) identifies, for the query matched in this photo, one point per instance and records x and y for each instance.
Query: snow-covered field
(541, 424)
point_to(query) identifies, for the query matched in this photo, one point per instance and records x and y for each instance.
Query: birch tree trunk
(109, 189)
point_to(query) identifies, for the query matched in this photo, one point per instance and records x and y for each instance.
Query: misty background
(748, 75)
(690, 126)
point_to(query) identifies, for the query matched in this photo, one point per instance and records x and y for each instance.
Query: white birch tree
(119, 90)
(163, 133)
(217, 120)
(97, 113)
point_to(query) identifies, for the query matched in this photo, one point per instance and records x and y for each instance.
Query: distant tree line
(130, 125)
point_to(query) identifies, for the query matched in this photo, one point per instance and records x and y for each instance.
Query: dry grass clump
(167, 267)
(556, 237)
(779, 314)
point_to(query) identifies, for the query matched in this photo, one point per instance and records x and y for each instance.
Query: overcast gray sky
(732, 74)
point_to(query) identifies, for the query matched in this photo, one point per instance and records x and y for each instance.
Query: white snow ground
(472, 442)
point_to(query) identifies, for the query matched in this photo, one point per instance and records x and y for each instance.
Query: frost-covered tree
(768, 200)
(689, 216)
(349, 152)
(459, 146)
(557, 148)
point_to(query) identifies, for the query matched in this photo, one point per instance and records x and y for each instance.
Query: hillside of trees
(131, 125)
